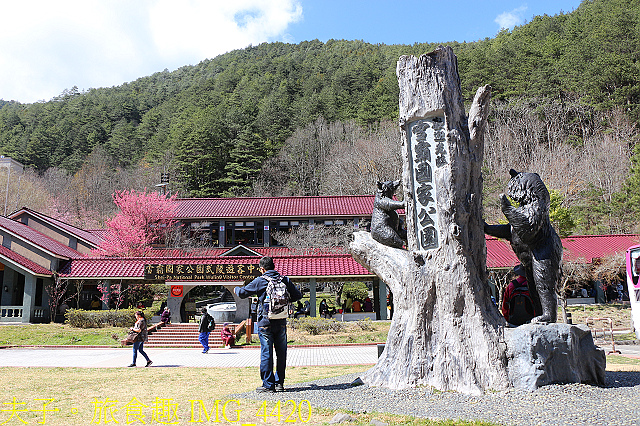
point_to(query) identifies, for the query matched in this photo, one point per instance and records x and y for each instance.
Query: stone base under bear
(540, 355)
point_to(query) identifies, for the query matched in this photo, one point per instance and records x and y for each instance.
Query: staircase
(184, 335)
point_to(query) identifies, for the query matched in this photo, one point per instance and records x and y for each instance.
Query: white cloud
(511, 19)
(203, 29)
(48, 46)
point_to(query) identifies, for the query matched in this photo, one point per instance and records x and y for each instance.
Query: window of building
(283, 226)
(39, 291)
(248, 233)
(18, 292)
(205, 233)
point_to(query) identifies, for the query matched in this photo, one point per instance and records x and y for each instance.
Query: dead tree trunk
(445, 332)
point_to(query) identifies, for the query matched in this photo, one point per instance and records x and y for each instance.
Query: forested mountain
(212, 126)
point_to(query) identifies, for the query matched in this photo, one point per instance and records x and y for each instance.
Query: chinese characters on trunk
(427, 153)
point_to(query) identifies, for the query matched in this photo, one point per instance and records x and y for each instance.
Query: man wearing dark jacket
(206, 322)
(272, 333)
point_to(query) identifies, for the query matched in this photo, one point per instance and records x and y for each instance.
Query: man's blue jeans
(204, 341)
(274, 335)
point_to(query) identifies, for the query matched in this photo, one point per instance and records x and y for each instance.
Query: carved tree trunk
(445, 332)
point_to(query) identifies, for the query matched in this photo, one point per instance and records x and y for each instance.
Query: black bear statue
(386, 227)
(533, 240)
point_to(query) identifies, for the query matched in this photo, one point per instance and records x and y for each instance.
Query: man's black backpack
(210, 322)
(520, 306)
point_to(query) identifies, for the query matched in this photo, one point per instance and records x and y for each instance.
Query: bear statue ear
(380, 185)
(513, 173)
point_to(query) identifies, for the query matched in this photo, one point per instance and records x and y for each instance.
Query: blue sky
(408, 22)
(49, 46)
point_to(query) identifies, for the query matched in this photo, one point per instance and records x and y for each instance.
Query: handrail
(604, 336)
(239, 328)
(11, 311)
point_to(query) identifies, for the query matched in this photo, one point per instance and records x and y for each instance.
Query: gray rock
(357, 382)
(341, 418)
(539, 355)
(375, 422)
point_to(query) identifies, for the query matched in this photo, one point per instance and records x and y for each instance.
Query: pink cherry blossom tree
(143, 219)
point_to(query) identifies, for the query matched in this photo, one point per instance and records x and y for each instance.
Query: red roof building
(345, 207)
(591, 247)
(36, 248)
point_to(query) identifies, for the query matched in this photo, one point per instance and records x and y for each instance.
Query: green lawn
(59, 334)
(81, 396)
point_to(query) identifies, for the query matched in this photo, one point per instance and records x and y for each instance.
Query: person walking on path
(272, 332)
(206, 325)
(140, 327)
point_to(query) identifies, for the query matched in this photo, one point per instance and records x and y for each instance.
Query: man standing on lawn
(272, 332)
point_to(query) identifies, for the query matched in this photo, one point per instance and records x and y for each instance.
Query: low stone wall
(581, 301)
(355, 316)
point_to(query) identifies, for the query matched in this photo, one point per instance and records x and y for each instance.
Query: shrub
(97, 319)
(355, 290)
(316, 325)
(366, 324)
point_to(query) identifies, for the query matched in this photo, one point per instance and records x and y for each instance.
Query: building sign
(427, 153)
(176, 290)
(201, 272)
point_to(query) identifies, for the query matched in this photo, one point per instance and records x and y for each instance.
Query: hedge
(317, 325)
(101, 318)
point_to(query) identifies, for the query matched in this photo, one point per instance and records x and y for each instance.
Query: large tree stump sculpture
(445, 331)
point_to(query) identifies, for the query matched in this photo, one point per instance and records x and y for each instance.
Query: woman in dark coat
(140, 327)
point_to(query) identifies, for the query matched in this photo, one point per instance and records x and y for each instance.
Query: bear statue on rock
(386, 226)
(533, 240)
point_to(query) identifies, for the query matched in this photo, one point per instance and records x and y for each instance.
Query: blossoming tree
(143, 219)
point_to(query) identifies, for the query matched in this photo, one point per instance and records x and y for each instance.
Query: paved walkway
(632, 351)
(121, 357)
(246, 357)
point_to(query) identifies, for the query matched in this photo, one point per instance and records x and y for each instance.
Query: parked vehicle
(633, 284)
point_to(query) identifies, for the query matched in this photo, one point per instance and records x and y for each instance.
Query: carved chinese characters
(427, 152)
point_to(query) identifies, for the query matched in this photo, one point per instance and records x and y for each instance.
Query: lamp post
(9, 164)
(6, 194)
(164, 182)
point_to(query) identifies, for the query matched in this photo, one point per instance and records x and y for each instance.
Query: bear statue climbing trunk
(445, 332)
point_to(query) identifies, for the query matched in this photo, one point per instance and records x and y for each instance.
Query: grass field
(80, 396)
(619, 313)
(173, 395)
(59, 334)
